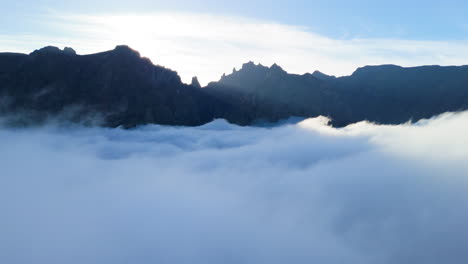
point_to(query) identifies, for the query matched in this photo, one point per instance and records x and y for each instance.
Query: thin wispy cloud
(207, 45)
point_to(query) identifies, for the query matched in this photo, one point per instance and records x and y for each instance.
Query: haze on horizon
(209, 38)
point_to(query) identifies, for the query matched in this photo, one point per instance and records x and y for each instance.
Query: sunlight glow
(207, 45)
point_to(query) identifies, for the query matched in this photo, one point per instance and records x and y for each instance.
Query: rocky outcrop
(121, 88)
(385, 94)
(195, 83)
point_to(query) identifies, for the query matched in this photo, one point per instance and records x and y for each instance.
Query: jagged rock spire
(195, 82)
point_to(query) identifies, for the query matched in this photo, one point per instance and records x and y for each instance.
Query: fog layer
(295, 193)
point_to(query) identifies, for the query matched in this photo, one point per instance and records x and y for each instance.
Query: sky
(208, 38)
(302, 192)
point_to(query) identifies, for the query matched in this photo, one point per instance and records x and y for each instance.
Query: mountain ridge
(129, 90)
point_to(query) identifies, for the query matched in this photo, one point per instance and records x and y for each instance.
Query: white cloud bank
(300, 193)
(209, 45)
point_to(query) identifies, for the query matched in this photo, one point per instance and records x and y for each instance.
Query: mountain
(271, 94)
(392, 94)
(121, 88)
(386, 94)
(195, 83)
(322, 76)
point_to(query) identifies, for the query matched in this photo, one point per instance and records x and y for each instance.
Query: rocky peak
(248, 65)
(50, 50)
(276, 68)
(47, 50)
(195, 83)
(322, 76)
(252, 68)
(372, 70)
(69, 51)
(126, 50)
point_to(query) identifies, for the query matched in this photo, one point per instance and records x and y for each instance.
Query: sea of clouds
(293, 193)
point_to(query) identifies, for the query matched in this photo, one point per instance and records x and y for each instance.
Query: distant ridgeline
(120, 88)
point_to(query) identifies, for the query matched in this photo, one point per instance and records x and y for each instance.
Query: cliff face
(385, 94)
(119, 86)
(393, 94)
(271, 94)
(124, 89)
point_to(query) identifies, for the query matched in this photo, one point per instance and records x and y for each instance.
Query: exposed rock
(386, 94)
(69, 51)
(195, 83)
(119, 85)
(322, 76)
(124, 89)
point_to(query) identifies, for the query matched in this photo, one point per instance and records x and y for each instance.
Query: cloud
(209, 45)
(219, 193)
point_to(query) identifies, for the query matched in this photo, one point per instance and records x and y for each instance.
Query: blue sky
(210, 37)
(428, 20)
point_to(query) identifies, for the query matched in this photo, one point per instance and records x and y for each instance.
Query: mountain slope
(119, 85)
(123, 89)
(385, 94)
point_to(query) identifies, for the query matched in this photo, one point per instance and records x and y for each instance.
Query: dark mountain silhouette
(321, 76)
(270, 93)
(118, 85)
(385, 94)
(195, 83)
(393, 94)
(124, 89)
